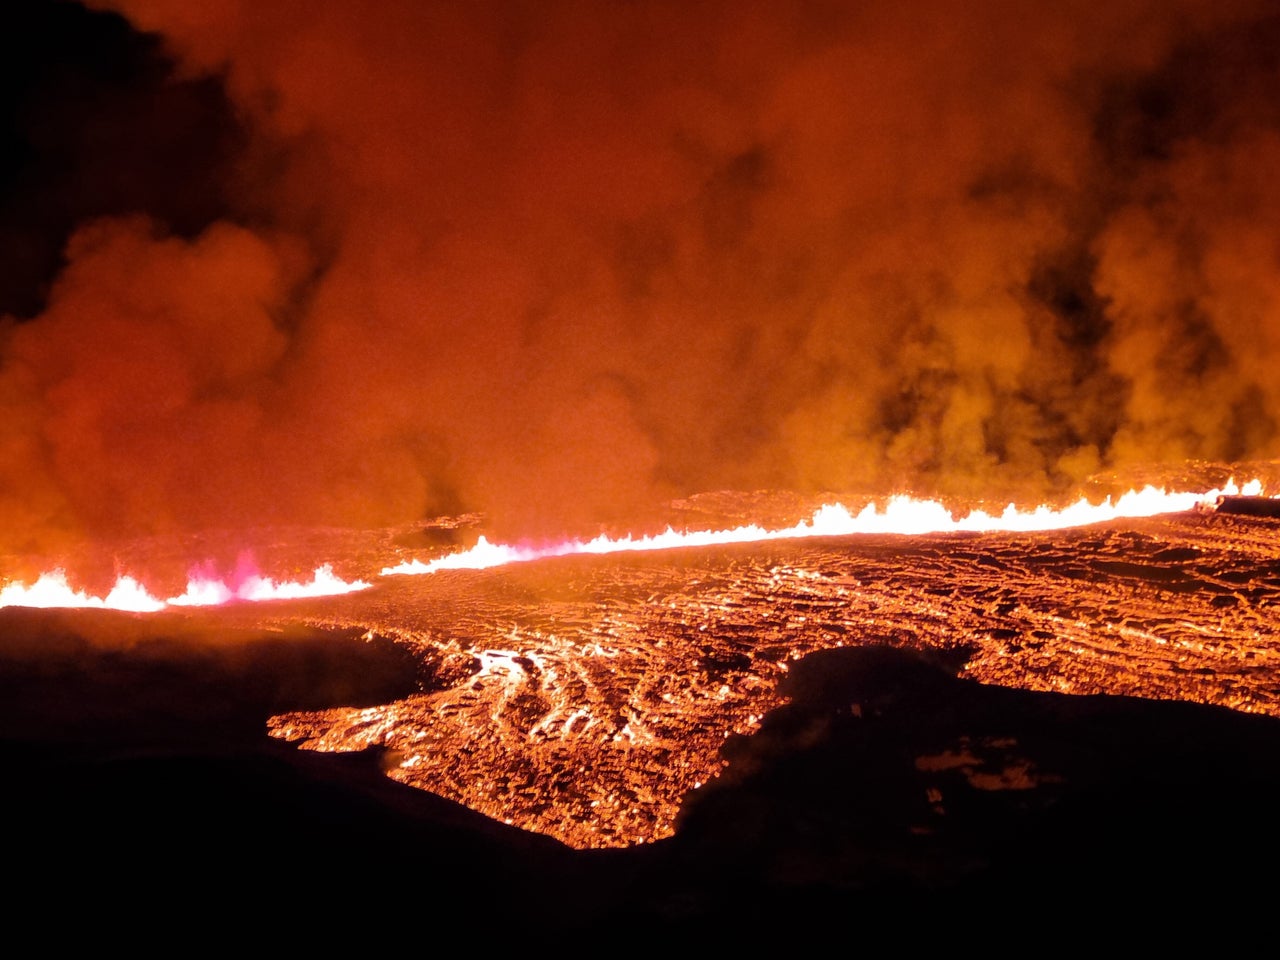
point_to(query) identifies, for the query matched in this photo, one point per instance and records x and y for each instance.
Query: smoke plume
(557, 261)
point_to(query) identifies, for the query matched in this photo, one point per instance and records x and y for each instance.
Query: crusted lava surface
(586, 698)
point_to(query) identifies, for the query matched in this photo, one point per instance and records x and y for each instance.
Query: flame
(901, 515)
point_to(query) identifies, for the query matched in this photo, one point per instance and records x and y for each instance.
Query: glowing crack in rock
(901, 515)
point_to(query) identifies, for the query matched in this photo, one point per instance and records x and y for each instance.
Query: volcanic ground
(793, 734)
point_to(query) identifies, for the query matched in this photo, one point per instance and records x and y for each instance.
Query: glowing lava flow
(203, 591)
(901, 515)
(52, 590)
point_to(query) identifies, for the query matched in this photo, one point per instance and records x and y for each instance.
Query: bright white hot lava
(210, 592)
(53, 590)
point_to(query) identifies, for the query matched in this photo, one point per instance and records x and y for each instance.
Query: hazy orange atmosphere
(357, 264)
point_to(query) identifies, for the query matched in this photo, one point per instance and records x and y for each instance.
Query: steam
(559, 261)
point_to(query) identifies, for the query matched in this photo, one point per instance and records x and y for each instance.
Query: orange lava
(899, 515)
(53, 590)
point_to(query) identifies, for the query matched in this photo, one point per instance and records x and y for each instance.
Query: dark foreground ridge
(890, 795)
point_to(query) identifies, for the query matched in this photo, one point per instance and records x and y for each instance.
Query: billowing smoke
(559, 260)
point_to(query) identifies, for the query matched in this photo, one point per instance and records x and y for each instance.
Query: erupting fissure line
(900, 515)
(53, 590)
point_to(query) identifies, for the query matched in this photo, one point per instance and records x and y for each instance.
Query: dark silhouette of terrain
(890, 796)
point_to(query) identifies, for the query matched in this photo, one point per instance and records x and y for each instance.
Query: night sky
(334, 263)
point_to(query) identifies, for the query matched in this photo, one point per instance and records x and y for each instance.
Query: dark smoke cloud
(557, 261)
(91, 127)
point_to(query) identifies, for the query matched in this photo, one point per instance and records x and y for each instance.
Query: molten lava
(52, 590)
(586, 698)
(901, 515)
(207, 591)
(203, 590)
